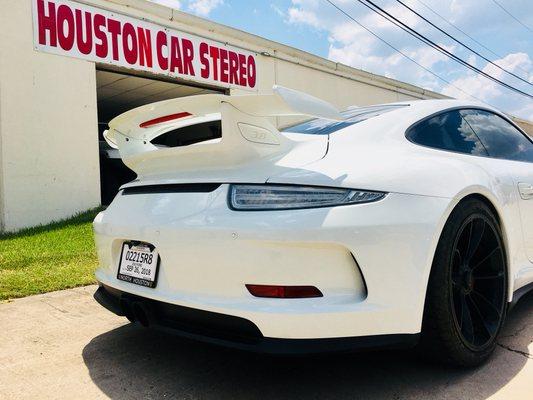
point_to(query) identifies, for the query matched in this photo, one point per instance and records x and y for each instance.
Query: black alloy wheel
(466, 298)
(478, 282)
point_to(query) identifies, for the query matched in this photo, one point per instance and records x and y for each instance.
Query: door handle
(526, 190)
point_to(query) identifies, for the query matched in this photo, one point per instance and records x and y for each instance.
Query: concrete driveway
(64, 345)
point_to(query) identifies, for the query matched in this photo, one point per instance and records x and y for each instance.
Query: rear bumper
(370, 261)
(235, 332)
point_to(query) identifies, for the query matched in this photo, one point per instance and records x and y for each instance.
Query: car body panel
(209, 252)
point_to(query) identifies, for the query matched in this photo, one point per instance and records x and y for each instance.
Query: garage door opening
(117, 93)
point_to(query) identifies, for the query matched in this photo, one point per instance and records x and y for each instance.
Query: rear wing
(247, 128)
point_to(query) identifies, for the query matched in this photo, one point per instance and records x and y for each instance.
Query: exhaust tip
(141, 314)
(127, 310)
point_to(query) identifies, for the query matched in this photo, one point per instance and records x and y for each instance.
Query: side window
(500, 138)
(447, 131)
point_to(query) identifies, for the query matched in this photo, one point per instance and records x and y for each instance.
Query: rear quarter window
(447, 131)
(499, 136)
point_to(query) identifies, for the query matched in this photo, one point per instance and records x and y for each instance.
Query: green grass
(49, 257)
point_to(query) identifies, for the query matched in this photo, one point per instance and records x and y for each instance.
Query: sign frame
(77, 30)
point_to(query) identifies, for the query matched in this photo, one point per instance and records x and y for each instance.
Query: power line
(461, 43)
(386, 15)
(467, 35)
(402, 53)
(512, 16)
(372, 6)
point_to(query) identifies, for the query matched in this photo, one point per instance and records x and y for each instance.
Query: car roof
(416, 110)
(431, 106)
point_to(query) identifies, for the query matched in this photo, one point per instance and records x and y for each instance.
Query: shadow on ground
(132, 362)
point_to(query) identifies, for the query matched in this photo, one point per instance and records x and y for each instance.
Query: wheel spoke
(488, 302)
(467, 238)
(474, 239)
(499, 275)
(467, 326)
(480, 315)
(489, 255)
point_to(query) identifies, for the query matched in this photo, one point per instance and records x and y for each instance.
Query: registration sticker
(139, 263)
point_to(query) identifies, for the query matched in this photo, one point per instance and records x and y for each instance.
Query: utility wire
(461, 43)
(372, 6)
(512, 16)
(403, 54)
(467, 35)
(386, 15)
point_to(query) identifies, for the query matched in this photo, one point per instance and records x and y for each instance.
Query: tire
(466, 299)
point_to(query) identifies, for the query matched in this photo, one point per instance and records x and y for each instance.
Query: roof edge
(200, 26)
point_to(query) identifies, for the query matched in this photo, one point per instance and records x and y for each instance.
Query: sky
(317, 27)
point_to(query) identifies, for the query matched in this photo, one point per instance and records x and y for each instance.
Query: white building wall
(527, 126)
(48, 126)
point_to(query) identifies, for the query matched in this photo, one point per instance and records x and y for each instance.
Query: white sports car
(388, 225)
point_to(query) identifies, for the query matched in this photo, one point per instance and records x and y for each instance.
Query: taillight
(248, 197)
(284, 292)
(165, 118)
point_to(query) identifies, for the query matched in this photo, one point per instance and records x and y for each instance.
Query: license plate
(138, 264)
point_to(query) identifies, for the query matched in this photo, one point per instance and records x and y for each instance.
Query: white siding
(48, 128)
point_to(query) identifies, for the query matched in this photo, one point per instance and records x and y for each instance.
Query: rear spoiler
(246, 122)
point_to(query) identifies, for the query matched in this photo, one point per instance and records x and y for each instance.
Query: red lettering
(113, 26)
(65, 26)
(145, 46)
(213, 52)
(129, 37)
(224, 65)
(85, 45)
(242, 70)
(188, 56)
(204, 51)
(65, 17)
(101, 46)
(251, 71)
(161, 41)
(233, 68)
(175, 55)
(47, 23)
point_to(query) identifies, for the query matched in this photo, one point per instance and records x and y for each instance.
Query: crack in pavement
(523, 353)
(55, 307)
(517, 332)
